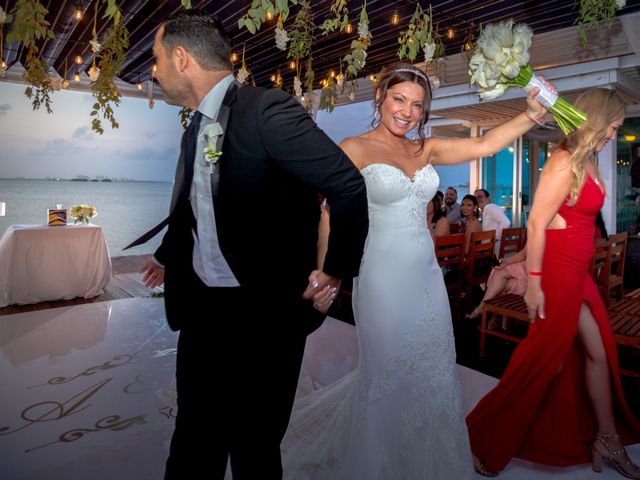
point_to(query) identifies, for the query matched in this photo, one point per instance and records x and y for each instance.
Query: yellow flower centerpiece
(82, 213)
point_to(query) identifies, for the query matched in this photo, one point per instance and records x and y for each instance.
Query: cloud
(82, 133)
(4, 108)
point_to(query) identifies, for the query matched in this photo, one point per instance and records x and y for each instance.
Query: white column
(607, 165)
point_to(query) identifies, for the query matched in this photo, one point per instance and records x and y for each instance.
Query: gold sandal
(481, 469)
(617, 457)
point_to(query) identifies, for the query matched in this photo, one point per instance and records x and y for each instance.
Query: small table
(40, 263)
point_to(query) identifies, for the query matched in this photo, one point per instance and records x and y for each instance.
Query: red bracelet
(535, 274)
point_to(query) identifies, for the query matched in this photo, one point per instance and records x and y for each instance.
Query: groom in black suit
(239, 250)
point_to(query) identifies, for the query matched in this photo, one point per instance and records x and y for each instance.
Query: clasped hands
(322, 290)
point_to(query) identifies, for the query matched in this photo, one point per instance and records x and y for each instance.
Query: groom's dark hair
(202, 34)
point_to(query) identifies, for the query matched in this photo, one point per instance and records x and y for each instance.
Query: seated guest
(470, 222)
(493, 218)
(436, 219)
(451, 205)
(508, 277)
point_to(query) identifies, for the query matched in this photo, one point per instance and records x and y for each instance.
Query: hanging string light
(139, 85)
(76, 77)
(154, 68)
(65, 82)
(78, 59)
(77, 13)
(348, 28)
(269, 16)
(450, 32)
(234, 57)
(292, 64)
(395, 18)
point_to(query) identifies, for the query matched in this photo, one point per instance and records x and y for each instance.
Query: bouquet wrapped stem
(565, 114)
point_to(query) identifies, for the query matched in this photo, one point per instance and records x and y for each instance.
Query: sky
(35, 144)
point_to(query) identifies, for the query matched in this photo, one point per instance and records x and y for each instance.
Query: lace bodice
(397, 201)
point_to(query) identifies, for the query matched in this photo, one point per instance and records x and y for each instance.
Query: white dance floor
(87, 392)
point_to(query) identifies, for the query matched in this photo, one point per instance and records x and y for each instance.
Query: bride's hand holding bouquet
(501, 60)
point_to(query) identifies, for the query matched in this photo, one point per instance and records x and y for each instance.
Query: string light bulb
(78, 59)
(292, 64)
(3, 64)
(332, 74)
(629, 137)
(273, 77)
(76, 77)
(234, 57)
(139, 85)
(348, 28)
(450, 33)
(395, 18)
(77, 13)
(269, 15)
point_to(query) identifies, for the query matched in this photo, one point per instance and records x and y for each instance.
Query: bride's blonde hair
(603, 107)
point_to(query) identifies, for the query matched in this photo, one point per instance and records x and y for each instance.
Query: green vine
(420, 34)
(30, 26)
(111, 58)
(591, 12)
(329, 94)
(185, 116)
(301, 33)
(308, 83)
(257, 14)
(340, 20)
(356, 60)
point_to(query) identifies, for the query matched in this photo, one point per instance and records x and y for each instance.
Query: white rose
(503, 34)
(494, 92)
(3, 15)
(619, 4)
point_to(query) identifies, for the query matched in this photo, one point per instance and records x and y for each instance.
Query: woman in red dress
(560, 401)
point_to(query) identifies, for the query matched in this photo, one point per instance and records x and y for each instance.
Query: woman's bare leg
(599, 388)
(495, 285)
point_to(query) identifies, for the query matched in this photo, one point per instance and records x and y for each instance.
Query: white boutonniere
(211, 133)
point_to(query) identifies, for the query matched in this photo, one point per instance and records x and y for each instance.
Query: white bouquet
(82, 213)
(501, 60)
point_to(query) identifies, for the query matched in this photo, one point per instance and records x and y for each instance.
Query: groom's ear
(181, 58)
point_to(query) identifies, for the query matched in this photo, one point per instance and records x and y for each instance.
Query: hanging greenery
(185, 116)
(329, 93)
(420, 34)
(340, 11)
(591, 12)
(28, 27)
(301, 33)
(356, 60)
(308, 83)
(257, 14)
(111, 60)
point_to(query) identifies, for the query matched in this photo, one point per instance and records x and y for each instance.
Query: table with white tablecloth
(40, 263)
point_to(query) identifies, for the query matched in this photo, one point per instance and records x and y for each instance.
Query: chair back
(511, 242)
(618, 253)
(481, 256)
(601, 267)
(454, 228)
(449, 250)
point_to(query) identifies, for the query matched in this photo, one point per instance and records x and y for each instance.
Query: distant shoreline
(97, 179)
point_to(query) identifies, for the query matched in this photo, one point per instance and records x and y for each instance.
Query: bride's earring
(376, 115)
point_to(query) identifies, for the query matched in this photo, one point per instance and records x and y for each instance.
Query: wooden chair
(511, 242)
(508, 306)
(618, 252)
(478, 265)
(449, 251)
(601, 267)
(624, 317)
(454, 228)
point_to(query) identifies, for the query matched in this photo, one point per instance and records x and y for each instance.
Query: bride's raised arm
(448, 151)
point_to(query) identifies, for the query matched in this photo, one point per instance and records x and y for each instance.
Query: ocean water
(125, 210)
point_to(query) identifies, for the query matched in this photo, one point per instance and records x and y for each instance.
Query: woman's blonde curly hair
(603, 107)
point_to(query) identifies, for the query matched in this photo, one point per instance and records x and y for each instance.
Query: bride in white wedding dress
(398, 415)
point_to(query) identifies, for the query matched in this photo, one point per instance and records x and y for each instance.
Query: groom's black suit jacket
(274, 164)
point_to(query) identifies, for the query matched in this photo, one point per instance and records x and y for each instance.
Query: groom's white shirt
(208, 261)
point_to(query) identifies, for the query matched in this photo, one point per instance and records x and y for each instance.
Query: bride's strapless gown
(398, 415)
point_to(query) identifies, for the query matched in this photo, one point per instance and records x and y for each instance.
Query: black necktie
(189, 159)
